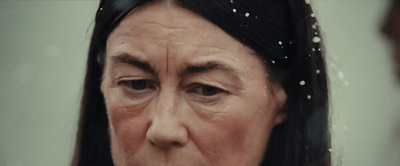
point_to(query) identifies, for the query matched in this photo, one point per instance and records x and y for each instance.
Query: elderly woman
(201, 83)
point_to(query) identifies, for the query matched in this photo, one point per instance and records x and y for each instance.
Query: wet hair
(391, 29)
(284, 33)
(391, 24)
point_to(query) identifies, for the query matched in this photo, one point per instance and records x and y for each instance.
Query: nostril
(176, 143)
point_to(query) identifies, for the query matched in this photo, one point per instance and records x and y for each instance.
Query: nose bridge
(167, 127)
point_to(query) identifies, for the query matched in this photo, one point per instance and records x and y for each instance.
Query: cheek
(239, 137)
(128, 129)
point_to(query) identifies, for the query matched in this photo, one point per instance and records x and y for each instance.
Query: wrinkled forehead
(167, 21)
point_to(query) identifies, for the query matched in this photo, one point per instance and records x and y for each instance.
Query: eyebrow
(209, 66)
(125, 58)
(189, 70)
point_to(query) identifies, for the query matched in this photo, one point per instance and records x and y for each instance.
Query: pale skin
(181, 91)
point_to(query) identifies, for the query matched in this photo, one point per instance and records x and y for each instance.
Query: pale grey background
(43, 47)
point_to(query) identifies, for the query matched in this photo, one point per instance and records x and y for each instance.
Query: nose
(167, 128)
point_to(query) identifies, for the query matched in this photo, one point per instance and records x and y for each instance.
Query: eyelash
(198, 89)
(148, 86)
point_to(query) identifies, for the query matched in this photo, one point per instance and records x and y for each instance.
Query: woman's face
(181, 91)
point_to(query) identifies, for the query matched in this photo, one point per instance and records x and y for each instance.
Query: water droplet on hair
(290, 42)
(308, 97)
(231, 1)
(273, 61)
(285, 57)
(316, 39)
(317, 71)
(313, 49)
(340, 75)
(307, 1)
(255, 17)
(302, 82)
(101, 9)
(314, 26)
(280, 42)
(319, 49)
(234, 10)
(312, 15)
(330, 149)
(247, 14)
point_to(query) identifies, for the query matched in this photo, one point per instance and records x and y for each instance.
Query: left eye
(209, 90)
(138, 84)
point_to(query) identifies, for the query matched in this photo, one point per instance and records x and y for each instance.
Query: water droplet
(247, 14)
(231, 1)
(273, 61)
(314, 26)
(234, 10)
(101, 9)
(313, 49)
(317, 71)
(330, 149)
(302, 82)
(308, 97)
(312, 15)
(316, 33)
(255, 17)
(280, 42)
(340, 75)
(307, 1)
(290, 42)
(319, 49)
(316, 39)
(285, 57)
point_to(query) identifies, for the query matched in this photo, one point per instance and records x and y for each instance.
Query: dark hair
(282, 32)
(390, 26)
